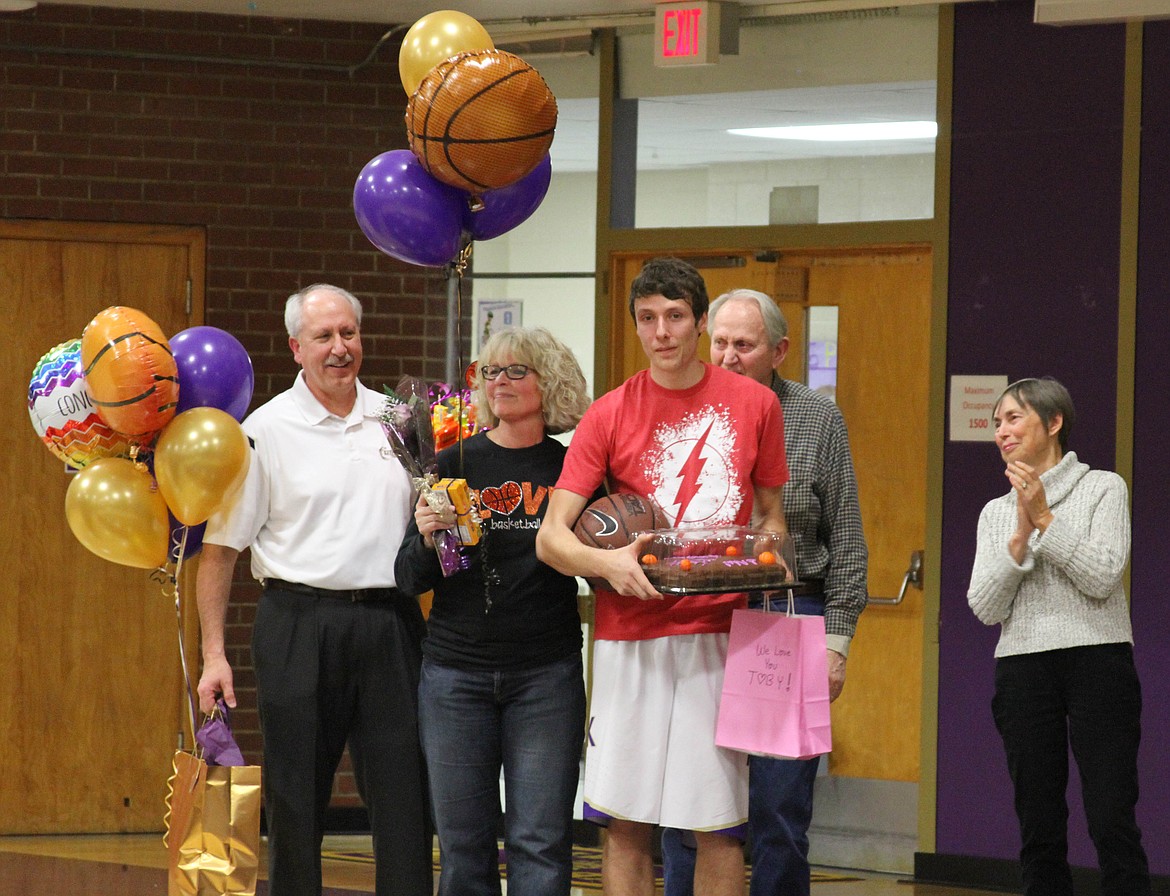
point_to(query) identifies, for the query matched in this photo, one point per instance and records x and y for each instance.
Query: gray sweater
(1068, 591)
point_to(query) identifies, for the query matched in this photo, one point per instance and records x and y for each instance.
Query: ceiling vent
(537, 45)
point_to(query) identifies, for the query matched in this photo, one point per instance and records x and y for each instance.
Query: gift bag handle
(791, 602)
(215, 737)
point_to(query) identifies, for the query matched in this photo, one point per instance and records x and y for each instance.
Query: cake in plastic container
(719, 560)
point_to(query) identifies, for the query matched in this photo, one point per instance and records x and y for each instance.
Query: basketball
(130, 371)
(614, 521)
(481, 120)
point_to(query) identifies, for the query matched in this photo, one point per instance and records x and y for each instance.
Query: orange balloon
(435, 37)
(200, 460)
(114, 509)
(130, 372)
(481, 121)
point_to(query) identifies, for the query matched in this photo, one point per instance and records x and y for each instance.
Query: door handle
(913, 577)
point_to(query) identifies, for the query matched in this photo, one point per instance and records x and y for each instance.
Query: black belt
(354, 595)
(804, 588)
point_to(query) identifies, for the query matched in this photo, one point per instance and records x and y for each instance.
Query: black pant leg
(1105, 705)
(301, 749)
(1030, 714)
(386, 749)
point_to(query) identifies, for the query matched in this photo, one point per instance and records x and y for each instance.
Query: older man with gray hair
(749, 335)
(336, 646)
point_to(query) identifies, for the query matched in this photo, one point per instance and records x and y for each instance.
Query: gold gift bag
(213, 828)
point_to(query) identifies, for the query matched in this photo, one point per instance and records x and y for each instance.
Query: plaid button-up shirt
(821, 506)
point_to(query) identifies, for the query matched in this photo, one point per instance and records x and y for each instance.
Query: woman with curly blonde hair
(502, 683)
(562, 385)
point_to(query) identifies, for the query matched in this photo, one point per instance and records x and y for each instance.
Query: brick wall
(252, 128)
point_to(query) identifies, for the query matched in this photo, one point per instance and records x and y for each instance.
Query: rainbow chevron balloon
(63, 412)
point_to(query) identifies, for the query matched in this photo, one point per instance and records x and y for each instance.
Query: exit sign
(695, 33)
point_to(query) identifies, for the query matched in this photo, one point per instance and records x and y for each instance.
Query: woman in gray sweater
(1048, 570)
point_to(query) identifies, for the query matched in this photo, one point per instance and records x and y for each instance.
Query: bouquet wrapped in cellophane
(406, 420)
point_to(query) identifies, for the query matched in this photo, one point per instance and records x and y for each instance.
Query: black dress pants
(328, 672)
(1089, 699)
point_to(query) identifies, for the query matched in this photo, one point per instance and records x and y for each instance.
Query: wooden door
(883, 367)
(91, 706)
(883, 301)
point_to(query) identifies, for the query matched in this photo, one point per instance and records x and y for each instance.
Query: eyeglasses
(513, 371)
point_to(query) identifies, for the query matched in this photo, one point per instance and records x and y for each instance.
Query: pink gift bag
(775, 687)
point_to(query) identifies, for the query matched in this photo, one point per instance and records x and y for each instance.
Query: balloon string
(460, 265)
(174, 578)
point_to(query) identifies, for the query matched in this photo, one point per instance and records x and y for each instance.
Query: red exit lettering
(680, 32)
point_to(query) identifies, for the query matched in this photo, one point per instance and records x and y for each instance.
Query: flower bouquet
(406, 420)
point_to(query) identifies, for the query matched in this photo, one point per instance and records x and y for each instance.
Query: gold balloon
(200, 461)
(114, 509)
(435, 37)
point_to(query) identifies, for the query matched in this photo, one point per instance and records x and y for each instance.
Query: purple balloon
(405, 212)
(509, 206)
(214, 371)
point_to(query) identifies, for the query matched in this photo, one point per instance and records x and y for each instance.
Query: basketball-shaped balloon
(63, 412)
(481, 120)
(616, 520)
(130, 371)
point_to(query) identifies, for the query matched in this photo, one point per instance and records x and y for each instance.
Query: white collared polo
(325, 501)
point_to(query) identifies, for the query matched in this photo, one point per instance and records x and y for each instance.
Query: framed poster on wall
(494, 315)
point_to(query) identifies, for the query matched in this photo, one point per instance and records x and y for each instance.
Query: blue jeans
(1089, 699)
(780, 804)
(530, 722)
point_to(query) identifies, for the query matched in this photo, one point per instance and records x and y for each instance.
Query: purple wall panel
(1035, 219)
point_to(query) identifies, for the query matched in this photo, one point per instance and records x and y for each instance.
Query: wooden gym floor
(135, 865)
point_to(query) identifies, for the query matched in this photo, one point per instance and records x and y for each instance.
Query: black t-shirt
(525, 615)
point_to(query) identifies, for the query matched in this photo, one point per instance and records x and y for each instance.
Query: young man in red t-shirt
(708, 446)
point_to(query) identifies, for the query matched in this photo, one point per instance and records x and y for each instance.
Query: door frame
(623, 354)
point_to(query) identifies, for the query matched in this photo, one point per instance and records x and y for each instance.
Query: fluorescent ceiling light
(16, 5)
(876, 130)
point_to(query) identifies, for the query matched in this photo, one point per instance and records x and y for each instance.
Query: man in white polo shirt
(336, 647)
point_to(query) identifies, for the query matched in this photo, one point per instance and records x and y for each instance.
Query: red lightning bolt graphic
(689, 474)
